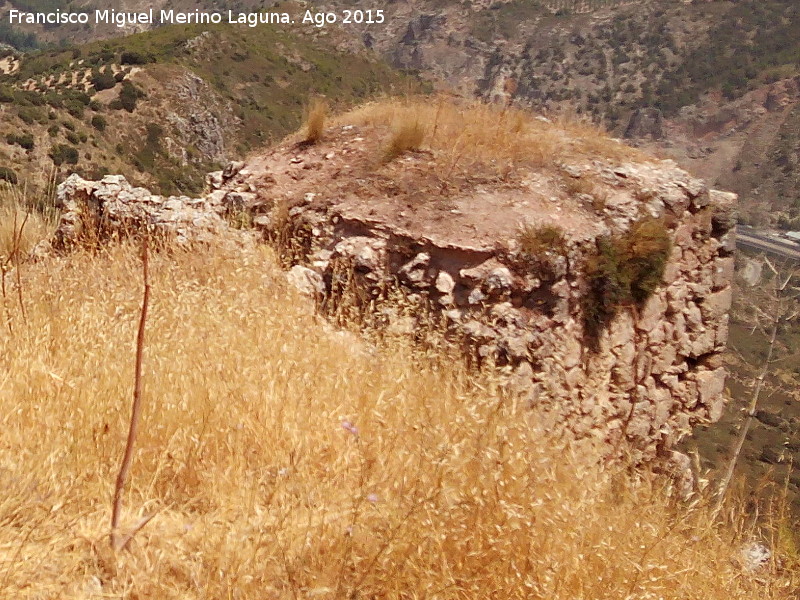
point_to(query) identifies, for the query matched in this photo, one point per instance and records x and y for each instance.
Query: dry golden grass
(469, 132)
(579, 185)
(315, 121)
(536, 241)
(406, 136)
(286, 461)
(20, 229)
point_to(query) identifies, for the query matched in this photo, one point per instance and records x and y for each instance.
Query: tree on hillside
(103, 81)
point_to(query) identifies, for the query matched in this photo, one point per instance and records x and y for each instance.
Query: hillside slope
(165, 107)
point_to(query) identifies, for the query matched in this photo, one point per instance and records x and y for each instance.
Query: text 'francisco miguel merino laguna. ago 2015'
(164, 17)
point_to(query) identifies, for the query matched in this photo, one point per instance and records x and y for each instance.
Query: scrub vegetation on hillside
(215, 93)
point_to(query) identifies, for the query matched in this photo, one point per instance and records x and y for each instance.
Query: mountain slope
(166, 106)
(707, 79)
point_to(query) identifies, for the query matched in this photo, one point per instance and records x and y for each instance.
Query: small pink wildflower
(350, 428)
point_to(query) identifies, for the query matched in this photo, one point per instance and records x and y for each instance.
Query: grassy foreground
(285, 460)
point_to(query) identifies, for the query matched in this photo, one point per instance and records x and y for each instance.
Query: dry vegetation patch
(286, 461)
(316, 114)
(469, 133)
(406, 136)
(21, 228)
(539, 246)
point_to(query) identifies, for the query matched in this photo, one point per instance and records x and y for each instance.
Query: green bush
(132, 57)
(54, 99)
(154, 134)
(128, 97)
(34, 98)
(31, 114)
(6, 94)
(24, 140)
(106, 55)
(80, 97)
(99, 123)
(74, 108)
(64, 153)
(625, 272)
(102, 81)
(8, 175)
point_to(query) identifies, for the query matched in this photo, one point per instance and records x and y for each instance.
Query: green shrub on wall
(625, 272)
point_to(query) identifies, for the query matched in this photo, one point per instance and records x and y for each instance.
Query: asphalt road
(752, 239)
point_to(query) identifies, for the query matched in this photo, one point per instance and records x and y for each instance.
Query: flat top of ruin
(467, 176)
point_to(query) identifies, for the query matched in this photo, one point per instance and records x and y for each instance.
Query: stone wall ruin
(655, 370)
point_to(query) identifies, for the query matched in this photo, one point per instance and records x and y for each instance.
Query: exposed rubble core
(653, 371)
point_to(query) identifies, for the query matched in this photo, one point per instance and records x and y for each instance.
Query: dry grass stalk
(20, 230)
(539, 240)
(15, 256)
(16, 241)
(778, 307)
(315, 121)
(117, 542)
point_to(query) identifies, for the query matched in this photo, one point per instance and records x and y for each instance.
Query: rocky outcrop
(199, 119)
(645, 123)
(653, 372)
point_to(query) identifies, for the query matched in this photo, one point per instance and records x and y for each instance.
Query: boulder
(716, 305)
(415, 271)
(710, 387)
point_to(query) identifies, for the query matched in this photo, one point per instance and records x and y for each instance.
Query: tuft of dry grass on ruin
(316, 115)
(538, 240)
(285, 460)
(586, 185)
(406, 136)
(467, 132)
